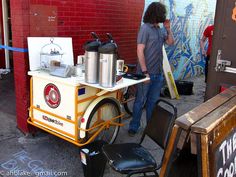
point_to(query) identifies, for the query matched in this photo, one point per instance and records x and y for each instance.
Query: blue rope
(15, 49)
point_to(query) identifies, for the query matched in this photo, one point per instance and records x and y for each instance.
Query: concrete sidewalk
(47, 153)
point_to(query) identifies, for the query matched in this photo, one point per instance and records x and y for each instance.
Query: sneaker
(132, 133)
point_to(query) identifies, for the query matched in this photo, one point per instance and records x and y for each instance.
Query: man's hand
(204, 53)
(202, 42)
(147, 76)
(167, 24)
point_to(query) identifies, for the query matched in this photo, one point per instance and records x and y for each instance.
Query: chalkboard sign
(225, 156)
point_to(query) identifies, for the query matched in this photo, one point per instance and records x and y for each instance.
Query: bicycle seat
(134, 76)
(131, 66)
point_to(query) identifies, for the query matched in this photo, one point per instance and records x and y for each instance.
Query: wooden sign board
(211, 132)
(225, 156)
(222, 148)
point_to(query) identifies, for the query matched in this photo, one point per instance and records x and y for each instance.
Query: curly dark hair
(155, 13)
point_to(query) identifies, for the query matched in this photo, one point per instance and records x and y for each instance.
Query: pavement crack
(8, 138)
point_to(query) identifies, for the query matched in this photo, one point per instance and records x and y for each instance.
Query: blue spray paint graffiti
(188, 20)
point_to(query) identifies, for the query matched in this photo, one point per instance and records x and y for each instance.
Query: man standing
(208, 34)
(150, 58)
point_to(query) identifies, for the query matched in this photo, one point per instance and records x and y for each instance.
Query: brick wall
(20, 30)
(78, 18)
(69, 18)
(121, 18)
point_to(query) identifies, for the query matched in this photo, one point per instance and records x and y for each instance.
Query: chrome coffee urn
(107, 59)
(91, 59)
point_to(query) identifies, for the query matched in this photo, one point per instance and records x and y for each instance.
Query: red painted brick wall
(20, 31)
(73, 18)
(78, 18)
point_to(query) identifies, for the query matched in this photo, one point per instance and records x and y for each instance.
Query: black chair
(132, 158)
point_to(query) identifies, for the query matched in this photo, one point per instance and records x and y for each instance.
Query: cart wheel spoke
(129, 98)
(105, 110)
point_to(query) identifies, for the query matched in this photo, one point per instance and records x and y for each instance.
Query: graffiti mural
(188, 20)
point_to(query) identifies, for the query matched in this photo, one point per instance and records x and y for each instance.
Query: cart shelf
(76, 81)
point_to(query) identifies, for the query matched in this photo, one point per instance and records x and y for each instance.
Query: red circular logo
(52, 95)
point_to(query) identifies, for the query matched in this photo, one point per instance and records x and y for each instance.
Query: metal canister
(107, 66)
(91, 60)
(91, 67)
(107, 70)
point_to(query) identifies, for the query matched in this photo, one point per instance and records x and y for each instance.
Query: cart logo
(52, 95)
(234, 13)
(52, 120)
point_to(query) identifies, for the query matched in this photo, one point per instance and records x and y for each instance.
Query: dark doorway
(7, 88)
(7, 94)
(224, 40)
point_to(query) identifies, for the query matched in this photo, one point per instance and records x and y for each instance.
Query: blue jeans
(149, 93)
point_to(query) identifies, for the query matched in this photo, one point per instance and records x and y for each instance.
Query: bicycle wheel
(129, 98)
(105, 110)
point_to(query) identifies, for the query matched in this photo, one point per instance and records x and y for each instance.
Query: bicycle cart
(75, 110)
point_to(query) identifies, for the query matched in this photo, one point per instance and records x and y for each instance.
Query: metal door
(222, 67)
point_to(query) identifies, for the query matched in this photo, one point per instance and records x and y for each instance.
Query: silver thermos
(107, 59)
(91, 59)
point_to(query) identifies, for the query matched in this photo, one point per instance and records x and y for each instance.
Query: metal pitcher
(107, 60)
(91, 60)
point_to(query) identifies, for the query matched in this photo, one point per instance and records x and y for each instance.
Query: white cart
(75, 110)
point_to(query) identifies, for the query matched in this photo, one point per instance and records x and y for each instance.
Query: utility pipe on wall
(5, 32)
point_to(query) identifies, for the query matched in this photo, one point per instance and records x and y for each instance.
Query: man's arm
(170, 39)
(202, 42)
(141, 59)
